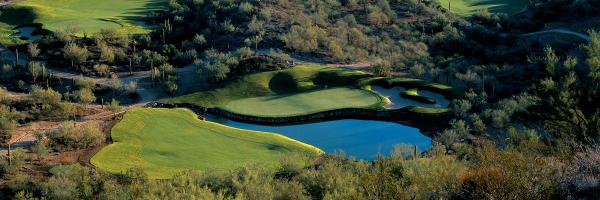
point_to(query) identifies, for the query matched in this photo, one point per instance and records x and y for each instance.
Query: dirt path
(147, 91)
(561, 31)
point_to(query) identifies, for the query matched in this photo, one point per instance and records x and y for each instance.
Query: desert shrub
(91, 135)
(509, 174)
(583, 174)
(252, 183)
(404, 152)
(288, 168)
(67, 182)
(132, 88)
(4, 96)
(289, 190)
(432, 178)
(17, 159)
(382, 69)
(102, 70)
(107, 53)
(84, 82)
(20, 182)
(85, 96)
(48, 99)
(216, 65)
(71, 136)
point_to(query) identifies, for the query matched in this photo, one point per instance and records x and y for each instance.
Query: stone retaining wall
(425, 122)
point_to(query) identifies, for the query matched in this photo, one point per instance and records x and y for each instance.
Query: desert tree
(33, 50)
(75, 54)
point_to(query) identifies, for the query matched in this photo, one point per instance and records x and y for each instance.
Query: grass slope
(469, 7)
(166, 141)
(86, 16)
(296, 91)
(303, 103)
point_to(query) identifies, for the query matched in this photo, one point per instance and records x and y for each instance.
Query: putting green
(469, 7)
(304, 103)
(164, 142)
(296, 91)
(84, 16)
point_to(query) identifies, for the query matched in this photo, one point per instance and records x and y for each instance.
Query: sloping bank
(410, 116)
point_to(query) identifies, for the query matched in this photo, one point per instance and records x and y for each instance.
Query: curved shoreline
(426, 123)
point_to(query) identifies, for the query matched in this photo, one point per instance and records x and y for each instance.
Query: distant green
(303, 103)
(296, 91)
(164, 142)
(469, 7)
(83, 16)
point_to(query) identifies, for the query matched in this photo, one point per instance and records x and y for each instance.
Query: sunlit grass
(164, 142)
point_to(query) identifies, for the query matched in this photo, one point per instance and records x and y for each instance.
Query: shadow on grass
(337, 78)
(15, 16)
(135, 15)
(502, 6)
(283, 83)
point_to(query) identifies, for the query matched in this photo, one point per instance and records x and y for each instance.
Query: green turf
(469, 7)
(304, 103)
(164, 142)
(296, 91)
(84, 16)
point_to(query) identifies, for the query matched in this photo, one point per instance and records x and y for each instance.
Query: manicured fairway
(296, 91)
(166, 141)
(469, 7)
(85, 16)
(304, 103)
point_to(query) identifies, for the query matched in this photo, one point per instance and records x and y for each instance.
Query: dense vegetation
(527, 126)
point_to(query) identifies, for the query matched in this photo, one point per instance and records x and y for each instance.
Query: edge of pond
(427, 123)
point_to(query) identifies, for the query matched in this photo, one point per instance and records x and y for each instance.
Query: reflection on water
(362, 139)
(397, 102)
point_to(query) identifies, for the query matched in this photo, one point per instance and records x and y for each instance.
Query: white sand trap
(397, 102)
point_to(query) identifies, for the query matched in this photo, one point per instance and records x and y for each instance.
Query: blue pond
(361, 139)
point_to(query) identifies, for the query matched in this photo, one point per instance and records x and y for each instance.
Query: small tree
(382, 69)
(7, 125)
(84, 82)
(102, 70)
(70, 110)
(417, 70)
(4, 96)
(171, 86)
(107, 54)
(132, 87)
(116, 85)
(85, 96)
(35, 69)
(48, 99)
(114, 106)
(40, 149)
(33, 50)
(76, 54)
(91, 135)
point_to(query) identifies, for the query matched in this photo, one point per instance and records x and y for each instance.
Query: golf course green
(82, 16)
(164, 142)
(309, 89)
(296, 91)
(303, 103)
(469, 7)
